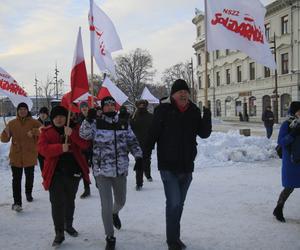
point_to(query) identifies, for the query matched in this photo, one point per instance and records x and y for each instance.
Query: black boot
(183, 246)
(71, 231)
(117, 221)
(59, 238)
(278, 213)
(86, 193)
(110, 243)
(29, 197)
(175, 246)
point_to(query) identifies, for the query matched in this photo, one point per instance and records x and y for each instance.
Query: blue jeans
(269, 131)
(176, 187)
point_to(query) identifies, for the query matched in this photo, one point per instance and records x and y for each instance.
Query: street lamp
(191, 68)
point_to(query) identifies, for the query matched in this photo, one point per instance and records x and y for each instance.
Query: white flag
(146, 95)
(104, 38)
(239, 24)
(10, 88)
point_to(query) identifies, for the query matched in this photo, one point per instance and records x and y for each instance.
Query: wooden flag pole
(68, 122)
(92, 50)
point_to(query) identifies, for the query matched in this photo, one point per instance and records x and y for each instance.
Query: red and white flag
(79, 79)
(238, 24)
(110, 89)
(10, 88)
(104, 38)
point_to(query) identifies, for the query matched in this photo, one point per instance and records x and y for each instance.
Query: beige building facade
(238, 86)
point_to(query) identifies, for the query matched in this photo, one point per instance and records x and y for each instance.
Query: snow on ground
(229, 205)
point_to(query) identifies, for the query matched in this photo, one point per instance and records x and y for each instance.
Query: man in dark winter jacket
(268, 119)
(176, 123)
(140, 123)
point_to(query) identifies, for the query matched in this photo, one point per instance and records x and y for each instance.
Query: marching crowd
(101, 140)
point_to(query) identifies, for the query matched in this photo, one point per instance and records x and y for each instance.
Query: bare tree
(133, 71)
(48, 91)
(179, 70)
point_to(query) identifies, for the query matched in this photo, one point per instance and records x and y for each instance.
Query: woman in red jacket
(63, 167)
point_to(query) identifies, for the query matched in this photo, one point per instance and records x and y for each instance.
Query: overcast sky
(36, 34)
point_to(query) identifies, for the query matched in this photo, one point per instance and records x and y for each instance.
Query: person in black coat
(176, 123)
(45, 121)
(268, 119)
(140, 123)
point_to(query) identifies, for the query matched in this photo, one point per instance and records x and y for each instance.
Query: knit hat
(295, 106)
(83, 105)
(22, 105)
(139, 102)
(178, 85)
(44, 110)
(107, 100)
(58, 110)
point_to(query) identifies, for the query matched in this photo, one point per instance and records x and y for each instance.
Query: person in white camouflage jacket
(112, 140)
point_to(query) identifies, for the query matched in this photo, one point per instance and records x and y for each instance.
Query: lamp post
(191, 68)
(275, 92)
(36, 94)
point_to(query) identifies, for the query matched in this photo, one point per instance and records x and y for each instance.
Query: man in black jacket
(140, 123)
(176, 123)
(268, 119)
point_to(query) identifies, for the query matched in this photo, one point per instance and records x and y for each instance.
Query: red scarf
(182, 109)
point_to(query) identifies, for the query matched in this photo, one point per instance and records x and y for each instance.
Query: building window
(209, 104)
(285, 101)
(252, 70)
(252, 106)
(200, 105)
(227, 76)
(199, 59)
(284, 25)
(267, 72)
(267, 31)
(239, 73)
(218, 108)
(217, 54)
(199, 31)
(199, 82)
(208, 59)
(266, 102)
(227, 52)
(208, 81)
(218, 78)
(285, 63)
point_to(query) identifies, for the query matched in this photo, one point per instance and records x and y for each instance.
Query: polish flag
(79, 79)
(68, 104)
(110, 89)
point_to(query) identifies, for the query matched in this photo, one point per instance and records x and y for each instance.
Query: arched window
(218, 108)
(266, 102)
(228, 106)
(285, 101)
(252, 106)
(209, 104)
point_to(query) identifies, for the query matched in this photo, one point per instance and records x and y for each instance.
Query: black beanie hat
(58, 110)
(179, 84)
(295, 106)
(107, 100)
(22, 105)
(44, 110)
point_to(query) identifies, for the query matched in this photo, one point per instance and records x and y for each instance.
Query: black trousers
(41, 161)
(17, 173)
(284, 195)
(62, 194)
(143, 169)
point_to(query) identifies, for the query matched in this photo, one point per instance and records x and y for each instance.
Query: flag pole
(206, 58)
(92, 50)
(68, 122)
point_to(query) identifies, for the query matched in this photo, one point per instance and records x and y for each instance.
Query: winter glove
(92, 113)
(206, 114)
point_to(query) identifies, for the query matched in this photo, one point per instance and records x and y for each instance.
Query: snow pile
(233, 147)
